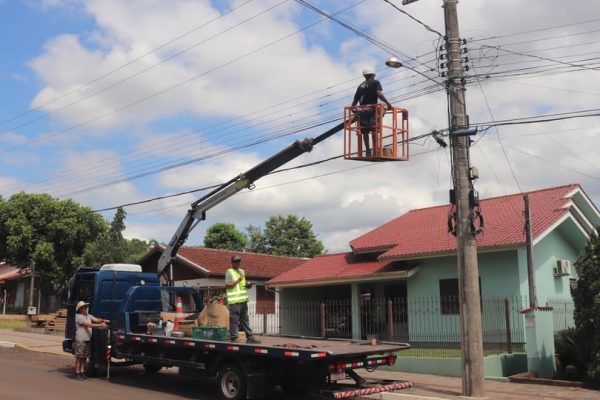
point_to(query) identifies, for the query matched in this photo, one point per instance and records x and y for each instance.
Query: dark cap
(236, 259)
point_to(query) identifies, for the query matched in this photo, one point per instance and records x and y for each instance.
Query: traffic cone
(178, 314)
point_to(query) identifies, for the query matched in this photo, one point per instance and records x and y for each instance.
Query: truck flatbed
(273, 346)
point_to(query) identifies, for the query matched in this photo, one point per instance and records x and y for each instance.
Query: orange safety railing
(387, 133)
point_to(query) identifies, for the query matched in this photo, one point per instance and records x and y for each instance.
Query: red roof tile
(217, 261)
(425, 231)
(337, 266)
(8, 272)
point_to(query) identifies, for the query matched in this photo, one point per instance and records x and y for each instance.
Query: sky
(110, 102)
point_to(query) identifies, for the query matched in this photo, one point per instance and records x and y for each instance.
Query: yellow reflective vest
(238, 293)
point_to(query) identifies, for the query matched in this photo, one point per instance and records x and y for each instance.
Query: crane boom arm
(197, 211)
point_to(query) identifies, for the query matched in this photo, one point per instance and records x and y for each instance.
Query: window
(449, 296)
(265, 300)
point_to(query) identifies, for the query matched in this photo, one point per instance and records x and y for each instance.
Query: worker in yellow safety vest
(237, 299)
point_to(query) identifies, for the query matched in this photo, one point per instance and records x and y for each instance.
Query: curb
(7, 345)
(27, 348)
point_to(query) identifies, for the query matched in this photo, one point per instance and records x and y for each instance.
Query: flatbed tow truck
(131, 298)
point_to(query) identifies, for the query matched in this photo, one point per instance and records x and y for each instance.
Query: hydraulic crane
(386, 142)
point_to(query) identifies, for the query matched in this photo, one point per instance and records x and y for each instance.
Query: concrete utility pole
(466, 246)
(31, 289)
(530, 262)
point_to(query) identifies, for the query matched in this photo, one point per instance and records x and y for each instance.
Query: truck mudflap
(344, 391)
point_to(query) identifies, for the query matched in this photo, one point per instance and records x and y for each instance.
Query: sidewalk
(34, 341)
(433, 387)
(426, 387)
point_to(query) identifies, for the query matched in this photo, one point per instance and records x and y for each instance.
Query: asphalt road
(29, 375)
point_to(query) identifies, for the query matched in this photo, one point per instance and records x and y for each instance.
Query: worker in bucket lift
(367, 93)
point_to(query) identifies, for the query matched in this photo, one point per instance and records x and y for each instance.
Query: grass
(12, 324)
(437, 353)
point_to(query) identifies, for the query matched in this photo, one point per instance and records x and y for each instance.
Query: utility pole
(31, 289)
(530, 262)
(465, 201)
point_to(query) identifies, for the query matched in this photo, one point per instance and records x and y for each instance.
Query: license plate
(337, 376)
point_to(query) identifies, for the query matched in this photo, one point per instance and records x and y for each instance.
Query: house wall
(499, 276)
(557, 245)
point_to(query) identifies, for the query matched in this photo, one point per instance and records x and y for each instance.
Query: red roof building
(394, 249)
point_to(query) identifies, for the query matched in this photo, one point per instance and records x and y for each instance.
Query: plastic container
(209, 333)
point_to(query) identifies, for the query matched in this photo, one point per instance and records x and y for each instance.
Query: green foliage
(587, 305)
(225, 236)
(285, 236)
(572, 350)
(111, 247)
(50, 232)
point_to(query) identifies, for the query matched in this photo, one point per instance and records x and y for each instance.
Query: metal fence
(562, 313)
(430, 324)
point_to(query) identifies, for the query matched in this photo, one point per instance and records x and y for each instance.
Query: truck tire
(152, 368)
(231, 382)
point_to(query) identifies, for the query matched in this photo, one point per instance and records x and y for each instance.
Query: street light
(393, 62)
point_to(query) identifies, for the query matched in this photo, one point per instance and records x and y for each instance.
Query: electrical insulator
(467, 68)
(442, 56)
(466, 59)
(443, 65)
(464, 50)
(443, 74)
(463, 41)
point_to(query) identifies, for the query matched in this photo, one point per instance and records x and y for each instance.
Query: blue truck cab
(105, 289)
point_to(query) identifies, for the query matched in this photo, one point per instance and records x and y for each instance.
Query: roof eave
(481, 249)
(344, 280)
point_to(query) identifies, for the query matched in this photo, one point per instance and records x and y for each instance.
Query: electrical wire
(427, 27)
(143, 71)
(122, 66)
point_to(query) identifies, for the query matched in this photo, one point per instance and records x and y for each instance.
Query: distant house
(14, 287)
(405, 271)
(205, 268)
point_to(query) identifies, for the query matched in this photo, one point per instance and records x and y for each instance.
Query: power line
(487, 104)
(107, 74)
(427, 27)
(370, 38)
(542, 58)
(536, 30)
(119, 82)
(179, 84)
(271, 173)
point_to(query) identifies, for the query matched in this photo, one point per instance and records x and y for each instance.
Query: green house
(399, 281)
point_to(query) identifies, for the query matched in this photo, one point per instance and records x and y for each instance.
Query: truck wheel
(152, 368)
(231, 383)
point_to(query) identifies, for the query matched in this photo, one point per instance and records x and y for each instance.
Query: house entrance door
(397, 293)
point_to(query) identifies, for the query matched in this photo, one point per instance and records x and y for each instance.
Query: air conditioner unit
(562, 268)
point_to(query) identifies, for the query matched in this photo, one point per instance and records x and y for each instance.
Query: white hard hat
(368, 71)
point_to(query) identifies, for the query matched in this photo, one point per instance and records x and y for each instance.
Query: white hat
(81, 304)
(368, 71)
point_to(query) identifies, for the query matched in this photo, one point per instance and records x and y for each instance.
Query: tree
(586, 297)
(52, 233)
(111, 247)
(223, 235)
(285, 236)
